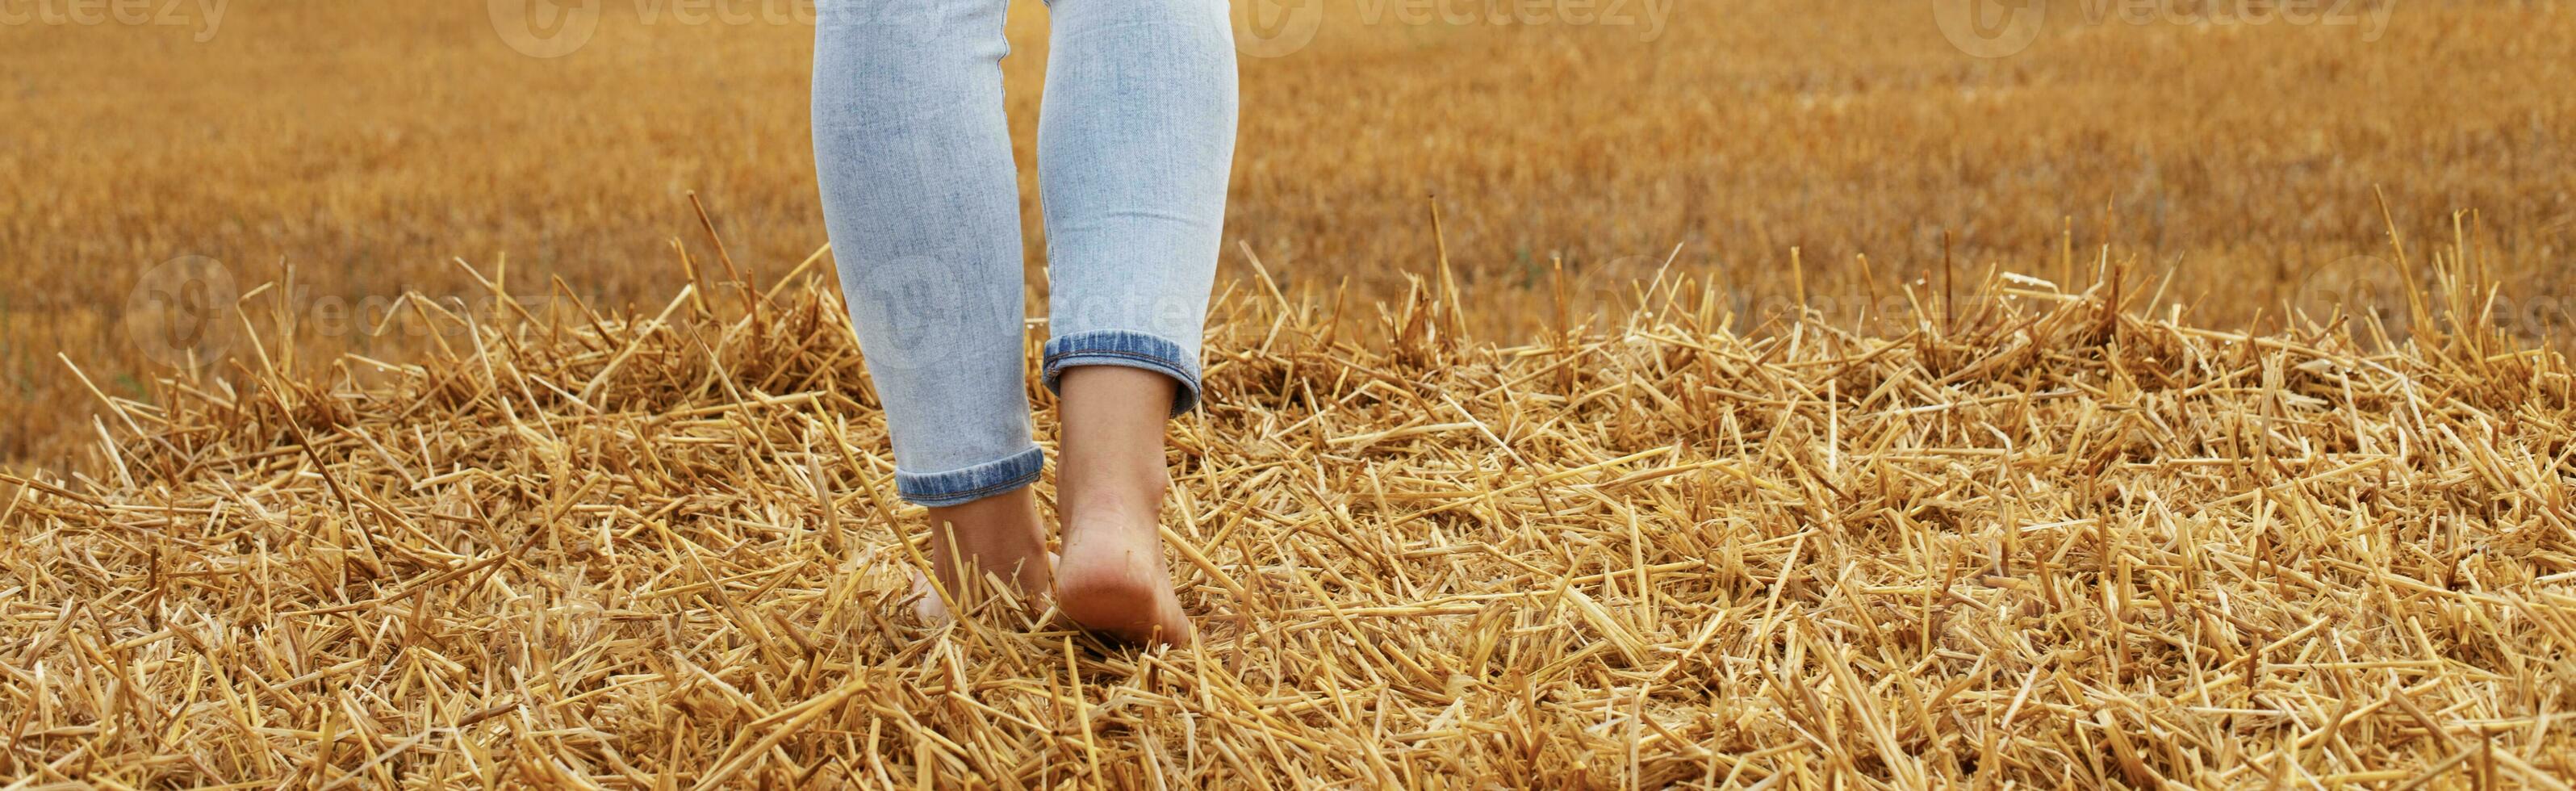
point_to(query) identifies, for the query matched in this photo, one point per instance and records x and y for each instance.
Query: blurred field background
(365, 145)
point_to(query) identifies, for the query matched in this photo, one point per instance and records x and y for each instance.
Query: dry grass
(2039, 536)
(367, 143)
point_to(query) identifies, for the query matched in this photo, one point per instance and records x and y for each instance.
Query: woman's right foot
(927, 606)
(973, 544)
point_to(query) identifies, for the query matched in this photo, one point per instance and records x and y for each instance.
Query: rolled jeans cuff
(958, 487)
(1127, 349)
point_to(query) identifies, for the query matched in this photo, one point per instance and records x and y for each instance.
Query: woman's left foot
(1109, 491)
(1112, 582)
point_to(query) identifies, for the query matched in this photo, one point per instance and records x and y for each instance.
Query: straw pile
(2037, 536)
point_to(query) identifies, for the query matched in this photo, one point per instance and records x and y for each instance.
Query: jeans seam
(1111, 353)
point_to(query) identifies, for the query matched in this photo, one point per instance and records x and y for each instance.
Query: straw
(2030, 534)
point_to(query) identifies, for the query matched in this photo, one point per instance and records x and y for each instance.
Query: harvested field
(362, 145)
(2052, 535)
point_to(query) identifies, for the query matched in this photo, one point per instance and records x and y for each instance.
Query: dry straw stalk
(2035, 536)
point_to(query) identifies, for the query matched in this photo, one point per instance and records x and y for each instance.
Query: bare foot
(927, 606)
(1112, 582)
(998, 538)
(1109, 488)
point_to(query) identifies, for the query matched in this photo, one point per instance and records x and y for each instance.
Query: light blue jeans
(1135, 141)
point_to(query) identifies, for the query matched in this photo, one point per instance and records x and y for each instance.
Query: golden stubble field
(364, 146)
(2035, 540)
(2027, 467)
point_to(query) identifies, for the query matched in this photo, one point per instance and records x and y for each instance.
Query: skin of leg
(1110, 483)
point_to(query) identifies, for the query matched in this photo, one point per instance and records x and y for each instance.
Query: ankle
(1093, 481)
(1111, 460)
(1128, 512)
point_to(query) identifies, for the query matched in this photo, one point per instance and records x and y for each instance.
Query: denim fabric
(955, 487)
(921, 196)
(1126, 349)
